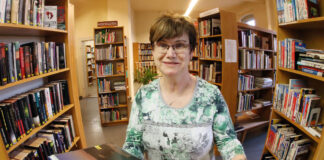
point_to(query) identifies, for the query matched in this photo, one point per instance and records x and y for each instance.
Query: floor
(95, 134)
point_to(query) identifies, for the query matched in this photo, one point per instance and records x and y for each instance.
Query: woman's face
(172, 56)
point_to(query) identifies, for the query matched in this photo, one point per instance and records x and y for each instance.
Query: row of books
(109, 100)
(105, 36)
(194, 65)
(32, 12)
(146, 57)
(146, 52)
(294, 10)
(249, 59)
(210, 49)
(108, 86)
(245, 82)
(109, 53)
(211, 72)
(145, 46)
(22, 113)
(247, 38)
(104, 69)
(297, 102)
(245, 102)
(142, 66)
(285, 143)
(54, 139)
(209, 27)
(111, 115)
(294, 55)
(19, 61)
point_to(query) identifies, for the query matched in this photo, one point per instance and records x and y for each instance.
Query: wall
(87, 14)
(121, 11)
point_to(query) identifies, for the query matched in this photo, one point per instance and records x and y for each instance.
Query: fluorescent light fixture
(191, 5)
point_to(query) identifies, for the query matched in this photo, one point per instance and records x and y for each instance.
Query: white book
(50, 17)
(209, 12)
(48, 102)
(2, 10)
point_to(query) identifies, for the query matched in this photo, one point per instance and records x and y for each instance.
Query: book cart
(111, 75)
(19, 33)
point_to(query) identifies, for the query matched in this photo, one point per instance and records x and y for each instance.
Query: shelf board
(217, 84)
(108, 60)
(113, 107)
(116, 122)
(26, 30)
(268, 149)
(112, 91)
(257, 49)
(256, 89)
(212, 36)
(311, 23)
(302, 74)
(253, 70)
(246, 26)
(301, 128)
(112, 43)
(33, 78)
(195, 56)
(253, 109)
(210, 59)
(193, 71)
(109, 76)
(76, 139)
(250, 125)
(36, 129)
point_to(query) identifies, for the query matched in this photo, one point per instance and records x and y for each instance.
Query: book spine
(22, 62)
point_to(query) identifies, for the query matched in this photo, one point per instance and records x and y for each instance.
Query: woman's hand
(239, 157)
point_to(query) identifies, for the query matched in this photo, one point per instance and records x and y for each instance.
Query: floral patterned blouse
(184, 133)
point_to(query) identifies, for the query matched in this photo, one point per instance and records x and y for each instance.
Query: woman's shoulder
(150, 87)
(206, 86)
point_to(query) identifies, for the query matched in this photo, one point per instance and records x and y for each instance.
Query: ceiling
(182, 5)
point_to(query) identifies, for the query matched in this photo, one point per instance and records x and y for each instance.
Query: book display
(91, 65)
(214, 30)
(112, 80)
(47, 58)
(295, 128)
(257, 55)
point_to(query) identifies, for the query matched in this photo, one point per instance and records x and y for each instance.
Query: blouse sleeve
(133, 143)
(224, 135)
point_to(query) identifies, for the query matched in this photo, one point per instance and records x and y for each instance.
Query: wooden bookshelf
(143, 57)
(114, 123)
(228, 70)
(264, 93)
(90, 61)
(269, 151)
(34, 78)
(75, 141)
(310, 31)
(18, 32)
(120, 96)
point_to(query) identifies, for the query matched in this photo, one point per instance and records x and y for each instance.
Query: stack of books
(262, 82)
(120, 85)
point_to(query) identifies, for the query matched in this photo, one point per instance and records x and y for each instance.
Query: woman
(179, 116)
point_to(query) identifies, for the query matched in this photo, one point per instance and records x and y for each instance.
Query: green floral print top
(186, 133)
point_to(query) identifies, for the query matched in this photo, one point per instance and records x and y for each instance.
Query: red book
(22, 62)
(27, 61)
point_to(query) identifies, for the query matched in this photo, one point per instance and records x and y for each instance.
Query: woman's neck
(176, 84)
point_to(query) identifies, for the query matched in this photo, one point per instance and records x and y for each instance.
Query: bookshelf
(143, 58)
(211, 51)
(111, 75)
(18, 32)
(90, 61)
(256, 54)
(310, 31)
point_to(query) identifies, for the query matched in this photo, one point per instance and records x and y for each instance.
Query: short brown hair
(173, 25)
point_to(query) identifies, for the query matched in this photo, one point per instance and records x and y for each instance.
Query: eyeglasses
(178, 47)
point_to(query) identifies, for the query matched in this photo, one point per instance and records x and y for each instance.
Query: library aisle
(96, 134)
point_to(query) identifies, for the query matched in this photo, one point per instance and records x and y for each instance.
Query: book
(50, 16)
(61, 17)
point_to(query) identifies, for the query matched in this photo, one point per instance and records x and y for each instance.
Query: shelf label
(230, 51)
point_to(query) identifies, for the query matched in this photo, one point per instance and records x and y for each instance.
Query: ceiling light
(191, 5)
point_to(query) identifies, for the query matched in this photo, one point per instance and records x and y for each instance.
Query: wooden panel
(136, 53)
(311, 23)
(25, 30)
(229, 70)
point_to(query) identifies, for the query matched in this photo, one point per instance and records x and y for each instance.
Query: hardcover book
(50, 17)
